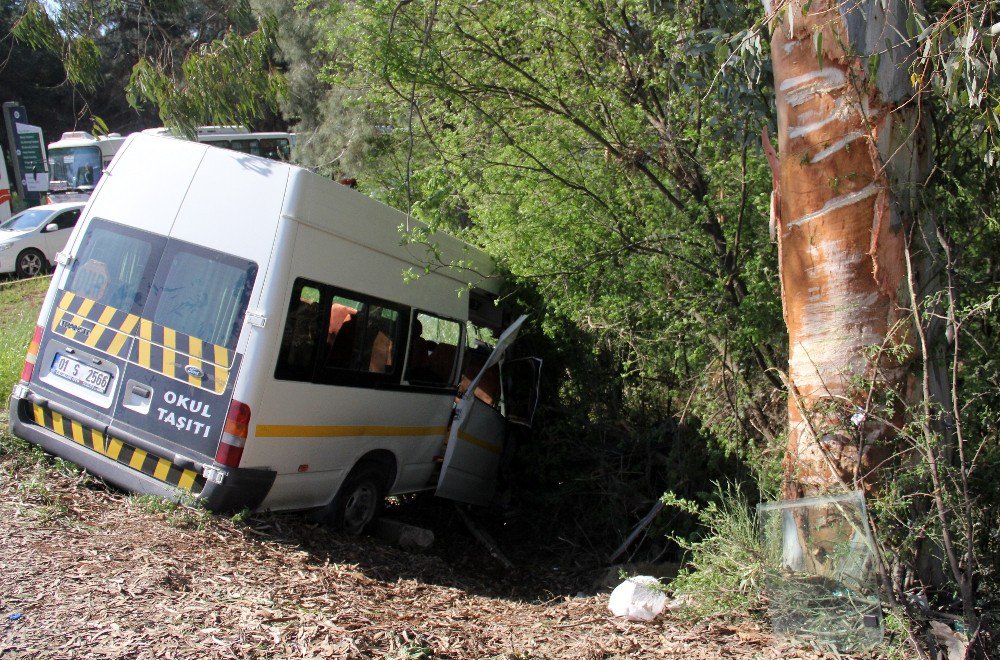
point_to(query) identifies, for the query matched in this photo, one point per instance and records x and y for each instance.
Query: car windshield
(79, 167)
(26, 220)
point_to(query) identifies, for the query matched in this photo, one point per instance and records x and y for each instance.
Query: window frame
(318, 372)
(456, 370)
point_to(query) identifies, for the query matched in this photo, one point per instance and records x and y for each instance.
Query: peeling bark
(853, 153)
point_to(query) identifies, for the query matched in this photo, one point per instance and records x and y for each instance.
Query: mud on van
(238, 330)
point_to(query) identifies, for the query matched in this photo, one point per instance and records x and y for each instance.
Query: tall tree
(854, 152)
(862, 278)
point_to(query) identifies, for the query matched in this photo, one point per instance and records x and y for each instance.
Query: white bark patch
(835, 327)
(828, 76)
(839, 112)
(836, 146)
(838, 203)
(826, 85)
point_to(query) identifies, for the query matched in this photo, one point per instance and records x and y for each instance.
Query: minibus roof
(153, 163)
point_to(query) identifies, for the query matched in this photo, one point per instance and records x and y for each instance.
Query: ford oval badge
(194, 371)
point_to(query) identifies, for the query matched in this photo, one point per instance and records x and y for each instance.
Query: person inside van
(420, 349)
(340, 336)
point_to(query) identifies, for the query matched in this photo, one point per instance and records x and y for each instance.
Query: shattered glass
(820, 572)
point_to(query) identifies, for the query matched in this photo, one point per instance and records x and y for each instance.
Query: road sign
(31, 177)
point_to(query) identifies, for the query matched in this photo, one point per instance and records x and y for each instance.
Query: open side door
(476, 438)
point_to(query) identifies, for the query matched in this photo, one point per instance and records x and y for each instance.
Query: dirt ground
(86, 571)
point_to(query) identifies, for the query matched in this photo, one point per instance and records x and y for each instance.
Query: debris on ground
(96, 573)
(402, 535)
(639, 598)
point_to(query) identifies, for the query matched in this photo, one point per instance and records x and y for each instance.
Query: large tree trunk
(853, 152)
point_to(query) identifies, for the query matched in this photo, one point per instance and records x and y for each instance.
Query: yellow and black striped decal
(95, 325)
(157, 347)
(137, 459)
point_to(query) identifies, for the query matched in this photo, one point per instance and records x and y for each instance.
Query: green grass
(24, 463)
(20, 301)
(185, 514)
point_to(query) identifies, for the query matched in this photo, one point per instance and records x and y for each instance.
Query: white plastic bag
(638, 599)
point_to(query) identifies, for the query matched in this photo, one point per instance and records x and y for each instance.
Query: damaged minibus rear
(239, 331)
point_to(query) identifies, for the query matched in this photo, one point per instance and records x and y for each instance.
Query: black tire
(30, 263)
(359, 500)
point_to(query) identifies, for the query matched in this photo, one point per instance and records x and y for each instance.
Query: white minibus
(239, 330)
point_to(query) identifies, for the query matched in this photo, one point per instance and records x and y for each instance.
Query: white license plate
(79, 373)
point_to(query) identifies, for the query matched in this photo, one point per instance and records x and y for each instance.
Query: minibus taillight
(234, 435)
(29, 359)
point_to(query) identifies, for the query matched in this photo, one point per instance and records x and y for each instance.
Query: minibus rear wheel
(359, 500)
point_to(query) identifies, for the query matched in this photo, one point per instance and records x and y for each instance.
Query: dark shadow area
(455, 560)
(559, 536)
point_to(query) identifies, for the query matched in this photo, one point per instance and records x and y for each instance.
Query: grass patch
(16, 454)
(20, 301)
(185, 514)
(724, 572)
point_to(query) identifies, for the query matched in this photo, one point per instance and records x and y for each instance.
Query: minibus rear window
(202, 293)
(191, 289)
(113, 266)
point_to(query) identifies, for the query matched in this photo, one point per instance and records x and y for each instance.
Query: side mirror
(51, 227)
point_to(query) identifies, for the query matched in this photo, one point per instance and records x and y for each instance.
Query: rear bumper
(138, 470)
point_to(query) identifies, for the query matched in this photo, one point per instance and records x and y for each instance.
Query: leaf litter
(95, 573)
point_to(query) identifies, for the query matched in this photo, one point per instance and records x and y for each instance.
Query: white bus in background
(76, 163)
(78, 160)
(5, 196)
(274, 145)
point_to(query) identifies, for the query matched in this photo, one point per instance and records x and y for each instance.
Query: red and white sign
(4, 190)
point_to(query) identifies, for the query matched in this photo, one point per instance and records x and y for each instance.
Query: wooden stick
(643, 524)
(484, 538)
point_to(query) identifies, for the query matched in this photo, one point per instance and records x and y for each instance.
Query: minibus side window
(478, 347)
(297, 355)
(113, 265)
(360, 336)
(339, 337)
(434, 345)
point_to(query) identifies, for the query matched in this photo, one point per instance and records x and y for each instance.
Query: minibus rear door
(476, 438)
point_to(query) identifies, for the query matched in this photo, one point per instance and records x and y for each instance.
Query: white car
(29, 240)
